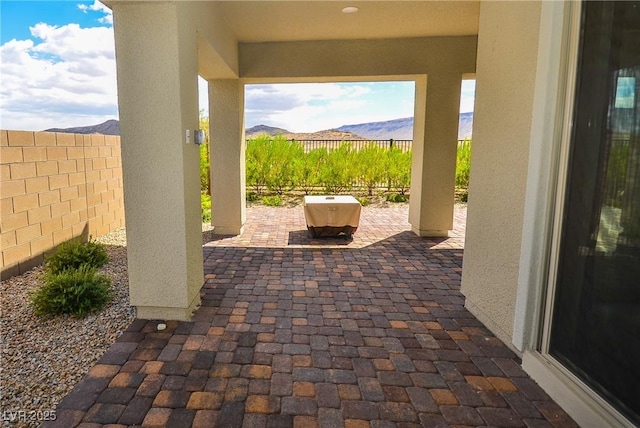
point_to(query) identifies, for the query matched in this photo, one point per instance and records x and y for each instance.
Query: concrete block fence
(54, 187)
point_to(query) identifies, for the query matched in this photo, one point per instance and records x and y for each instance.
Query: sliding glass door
(595, 324)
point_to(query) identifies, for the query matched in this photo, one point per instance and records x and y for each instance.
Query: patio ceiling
(280, 21)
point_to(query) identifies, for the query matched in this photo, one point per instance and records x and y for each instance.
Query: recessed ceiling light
(350, 9)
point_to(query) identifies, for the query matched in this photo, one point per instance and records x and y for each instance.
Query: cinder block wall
(55, 187)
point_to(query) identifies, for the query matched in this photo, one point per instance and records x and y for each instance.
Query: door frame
(537, 281)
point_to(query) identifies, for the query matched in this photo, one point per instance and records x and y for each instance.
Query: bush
(272, 201)
(463, 164)
(74, 253)
(78, 292)
(204, 169)
(399, 169)
(205, 203)
(251, 196)
(258, 163)
(282, 156)
(337, 172)
(364, 201)
(397, 197)
(308, 169)
(371, 162)
(205, 165)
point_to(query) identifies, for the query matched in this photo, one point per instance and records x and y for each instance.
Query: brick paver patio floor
(293, 331)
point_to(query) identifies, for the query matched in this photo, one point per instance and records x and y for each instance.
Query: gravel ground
(42, 359)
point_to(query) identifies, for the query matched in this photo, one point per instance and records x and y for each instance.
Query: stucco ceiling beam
(342, 58)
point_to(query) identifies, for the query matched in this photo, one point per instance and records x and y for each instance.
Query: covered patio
(304, 332)
(525, 57)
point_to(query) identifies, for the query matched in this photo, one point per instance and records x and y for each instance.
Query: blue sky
(58, 70)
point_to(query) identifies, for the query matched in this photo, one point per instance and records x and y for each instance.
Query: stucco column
(228, 192)
(158, 101)
(435, 136)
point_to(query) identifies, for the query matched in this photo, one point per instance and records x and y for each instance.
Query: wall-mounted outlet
(187, 136)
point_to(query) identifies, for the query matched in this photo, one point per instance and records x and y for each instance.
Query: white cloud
(98, 7)
(303, 107)
(66, 78)
(467, 96)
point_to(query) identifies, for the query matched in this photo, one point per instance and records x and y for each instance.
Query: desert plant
(399, 169)
(364, 201)
(282, 156)
(463, 164)
(205, 203)
(78, 292)
(371, 163)
(397, 197)
(337, 172)
(205, 173)
(74, 253)
(257, 163)
(307, 169)
(272, 201)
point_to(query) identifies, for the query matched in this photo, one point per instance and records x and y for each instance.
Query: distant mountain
(465, 126)
(398, 129)
(265, 129)
(329, 134)
(110, 127)
(402, 129)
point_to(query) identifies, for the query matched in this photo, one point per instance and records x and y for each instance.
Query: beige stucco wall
(55, 187)
(505, 80)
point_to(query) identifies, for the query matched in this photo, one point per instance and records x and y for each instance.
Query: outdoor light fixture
(350, 9)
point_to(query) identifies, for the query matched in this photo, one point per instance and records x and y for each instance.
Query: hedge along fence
(279, 165)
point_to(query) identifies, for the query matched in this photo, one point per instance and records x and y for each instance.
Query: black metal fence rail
(404, 145)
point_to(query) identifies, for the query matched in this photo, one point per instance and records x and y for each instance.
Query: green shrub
(205, 202)
(364, 201)
(272, 201)
(399, 169)
(74, 253)
(308, 168)
(371, 164)
(252, 197)
(257, 163)
(463, 164)
(205, 167)
(282, 155)
(78, 292)
(337, 173)
(397, 197)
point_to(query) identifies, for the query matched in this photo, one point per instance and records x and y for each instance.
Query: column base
(427, 233)
(163, 313)
(228, 230)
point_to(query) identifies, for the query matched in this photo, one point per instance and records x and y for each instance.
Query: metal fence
(404, 145)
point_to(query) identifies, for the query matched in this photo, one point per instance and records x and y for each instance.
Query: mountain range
(398, 129)
(110, 127)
